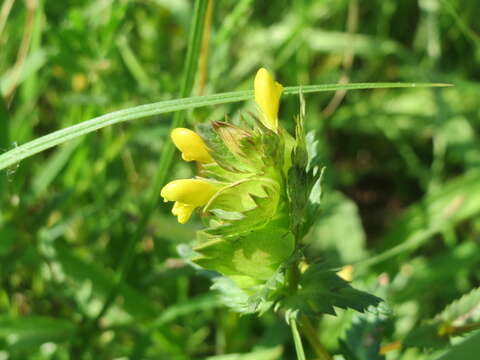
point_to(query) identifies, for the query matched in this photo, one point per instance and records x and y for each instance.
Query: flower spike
(187, 194)
(191, 145)
(267, 96)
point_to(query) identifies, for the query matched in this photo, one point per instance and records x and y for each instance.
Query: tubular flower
(187, 194)
(191, 145)
(260, 197)
(267, 96)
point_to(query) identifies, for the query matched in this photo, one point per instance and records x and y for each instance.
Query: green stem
(297, 339)
(293, 277)
(311, 335)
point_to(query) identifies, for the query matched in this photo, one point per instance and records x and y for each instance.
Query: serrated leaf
(256, 254)
(298, 182)
(264, 210)
(362, 340)
(454, 320)
(426, 336)
(462, 311)
(468, 349)
(321, 290)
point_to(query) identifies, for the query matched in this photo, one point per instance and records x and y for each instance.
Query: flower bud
(267, 96)
(187, 194)
(191, 145)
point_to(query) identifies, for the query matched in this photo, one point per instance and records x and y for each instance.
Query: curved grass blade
(60, 136)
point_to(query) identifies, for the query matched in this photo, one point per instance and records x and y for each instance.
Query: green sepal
(243, 144)
(266, 208)
(218, 150)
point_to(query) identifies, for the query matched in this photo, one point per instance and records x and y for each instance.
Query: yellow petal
(267, 96)
(346, 272)
(193, 192)
(182, 211)
(191, 145)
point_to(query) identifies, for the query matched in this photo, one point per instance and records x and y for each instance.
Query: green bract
(260, 193)
(270, 198)
(249, 234)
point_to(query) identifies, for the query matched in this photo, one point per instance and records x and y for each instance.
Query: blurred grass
(401, 180)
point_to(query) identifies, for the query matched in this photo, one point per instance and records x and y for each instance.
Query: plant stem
(293, 277)
(309, 332)
(297, 339)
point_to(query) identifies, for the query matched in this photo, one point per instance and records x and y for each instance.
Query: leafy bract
(269, 197)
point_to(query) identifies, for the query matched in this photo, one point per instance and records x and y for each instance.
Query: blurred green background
(402, 186)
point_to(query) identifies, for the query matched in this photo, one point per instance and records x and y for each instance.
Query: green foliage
(467, 349)
(321, 290)
(24, 333)
(89, 264)
(460, 317)
(462, 311)
(362, 341)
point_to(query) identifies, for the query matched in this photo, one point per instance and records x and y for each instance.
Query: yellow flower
(267, 96)
(188, 194)
(191, 145)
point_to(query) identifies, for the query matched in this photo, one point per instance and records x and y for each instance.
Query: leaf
(321, 290)
(32, 331)
(13, 77)
(462, 311)
(460, 317)
(339, 228)
(304, 179)
(102, 282)
(60, 136)
(195, 304)
(299, 183)
(257, 253)
(232, 296)
(455, 202)
(273, 353)
(468, 349)
(362, 341)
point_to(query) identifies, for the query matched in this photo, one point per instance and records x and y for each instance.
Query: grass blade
(60, 136)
